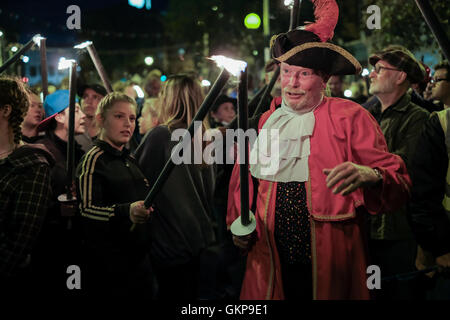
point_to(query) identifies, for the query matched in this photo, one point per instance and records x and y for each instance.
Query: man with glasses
(392, 246)
(440, 84)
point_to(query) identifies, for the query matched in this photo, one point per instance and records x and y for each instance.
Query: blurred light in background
(149, 60)
(139, 91)
(348, 93)
(252, 21)
(163, 78)
(365, 72)
(1, 33)
(140, 4)
(206, 83)
(25, 59)
(14, 48)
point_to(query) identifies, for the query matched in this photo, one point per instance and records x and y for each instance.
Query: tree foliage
(402, 23)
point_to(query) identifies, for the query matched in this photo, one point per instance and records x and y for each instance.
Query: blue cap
(54, 103)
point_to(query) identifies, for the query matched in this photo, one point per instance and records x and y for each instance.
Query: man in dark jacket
(59, 239)
(392, 247)
(430, 203)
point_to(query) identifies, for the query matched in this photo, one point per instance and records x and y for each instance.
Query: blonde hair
(14, 93)
(180, 99)
(152, 106)
(108, 102)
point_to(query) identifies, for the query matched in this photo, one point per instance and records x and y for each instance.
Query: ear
(401, 77)
(99, 119)
(60, 117)
(6, 111)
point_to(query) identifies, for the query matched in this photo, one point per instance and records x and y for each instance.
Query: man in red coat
(333, 167)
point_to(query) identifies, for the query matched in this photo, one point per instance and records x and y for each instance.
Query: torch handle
(199, 116)
(242, 139)
(268, 90)
(44, 74)
(293, 23)
(17, 55)
(436, 28)
(71, 138)
(98, 65)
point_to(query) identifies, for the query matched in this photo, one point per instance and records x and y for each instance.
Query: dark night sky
(22, 19)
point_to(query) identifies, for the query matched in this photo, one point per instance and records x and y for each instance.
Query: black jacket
(182, 225)
(429, 221)
(58, 148)
(108, 181)
(401, 125)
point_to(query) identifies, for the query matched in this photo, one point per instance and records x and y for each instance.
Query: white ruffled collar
(282, 149)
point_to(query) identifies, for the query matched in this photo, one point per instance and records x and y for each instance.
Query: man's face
(440, 89)
(79, 120)
(90, 102)
(383, 81)
(301, 87)
(154, 88)
(35, 112)
(335, 85)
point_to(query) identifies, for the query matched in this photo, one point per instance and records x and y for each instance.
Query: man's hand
(424, 260)
(138, 212)
(245, 243)
(354, 176)
(444, 263)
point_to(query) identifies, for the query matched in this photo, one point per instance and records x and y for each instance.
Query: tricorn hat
(308, 47)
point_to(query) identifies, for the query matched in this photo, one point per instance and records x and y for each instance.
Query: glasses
(378, 68)
(433, 81)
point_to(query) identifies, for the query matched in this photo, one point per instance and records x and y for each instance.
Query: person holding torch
(111, 189)
(333, 167)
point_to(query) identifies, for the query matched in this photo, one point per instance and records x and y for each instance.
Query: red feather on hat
(326, 13)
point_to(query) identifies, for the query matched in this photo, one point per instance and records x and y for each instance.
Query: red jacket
(344, 131)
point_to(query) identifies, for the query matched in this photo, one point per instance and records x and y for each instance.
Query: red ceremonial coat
(344, 131)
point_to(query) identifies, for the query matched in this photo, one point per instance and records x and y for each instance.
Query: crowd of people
(358, 183)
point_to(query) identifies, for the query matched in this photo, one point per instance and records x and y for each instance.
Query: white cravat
(291, 146)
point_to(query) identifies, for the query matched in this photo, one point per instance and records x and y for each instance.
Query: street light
(25, 59)
(14, 49)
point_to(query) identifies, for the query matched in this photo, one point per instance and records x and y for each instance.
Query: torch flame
(37, 39)
(83, 45)
(65, 63)
(289, 3)
(233, 66)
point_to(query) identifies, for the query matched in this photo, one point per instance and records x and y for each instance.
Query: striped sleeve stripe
(83, 176)
(90, 216)
(86, 180)
(100, 213)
